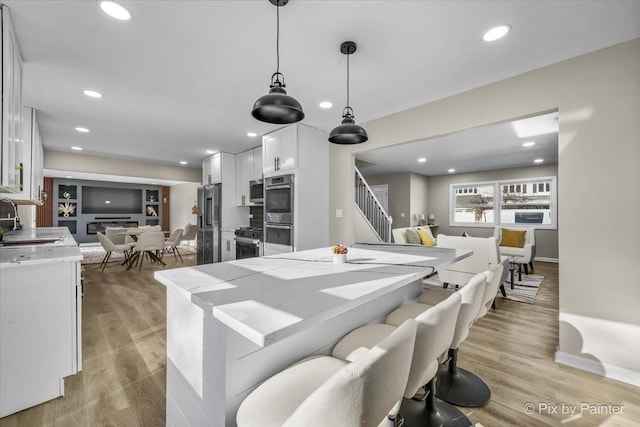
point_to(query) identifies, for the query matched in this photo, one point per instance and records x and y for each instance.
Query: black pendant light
(348, 132)
(277, 107)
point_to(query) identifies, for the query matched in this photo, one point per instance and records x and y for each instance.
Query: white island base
(232, 325)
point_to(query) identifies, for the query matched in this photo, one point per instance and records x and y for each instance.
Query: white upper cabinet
(32, 159)
(244, 169)
(212, 169)
(221, 168)
(11, 152)
(257, 163)
(248, 168)
(280, 149)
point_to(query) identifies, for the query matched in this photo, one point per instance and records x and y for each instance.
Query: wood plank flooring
(124, 362)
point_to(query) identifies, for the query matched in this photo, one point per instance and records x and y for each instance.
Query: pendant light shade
(277, 107)
(348, 132)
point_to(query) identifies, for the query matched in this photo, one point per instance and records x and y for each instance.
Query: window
(507, 202)
(474, 206)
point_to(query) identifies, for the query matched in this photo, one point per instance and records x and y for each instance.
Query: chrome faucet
(15, 218)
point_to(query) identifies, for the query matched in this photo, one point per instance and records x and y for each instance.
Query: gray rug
(523, 291)
(95, 254)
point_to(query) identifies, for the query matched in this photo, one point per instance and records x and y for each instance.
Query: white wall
(58, 160)
(182, 198)
(598, 99)
(399, 196)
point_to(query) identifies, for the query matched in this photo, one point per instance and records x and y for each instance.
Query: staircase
(371, 208)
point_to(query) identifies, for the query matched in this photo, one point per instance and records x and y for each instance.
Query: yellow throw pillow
(512, 238)
(426, 237)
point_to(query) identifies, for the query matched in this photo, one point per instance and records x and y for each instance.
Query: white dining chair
(172, 242)
(111, 247)
(150, 243)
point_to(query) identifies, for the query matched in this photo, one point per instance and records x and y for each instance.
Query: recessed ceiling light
(252, 134)
(451, 170)
(211, 152)
(77, 148)
(529, 144)
(183, 163)
(92, 93)
(154, 183)
(538, 161)
(496, 33)
(81, 129)
(68, 176)
(115, 10)
(326, 104)
(422, 159)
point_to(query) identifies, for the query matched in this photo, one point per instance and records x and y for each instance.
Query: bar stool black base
(446, 415)
(462, 388)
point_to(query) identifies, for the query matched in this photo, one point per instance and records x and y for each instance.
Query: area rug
(95, 254)
(524, 290)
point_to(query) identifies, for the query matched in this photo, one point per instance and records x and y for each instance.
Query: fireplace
(99, 226)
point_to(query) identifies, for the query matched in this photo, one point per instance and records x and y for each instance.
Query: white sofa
(485, 255)
(400, 237)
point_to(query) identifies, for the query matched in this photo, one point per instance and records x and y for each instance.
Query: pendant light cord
(348, 81)
(277, 38)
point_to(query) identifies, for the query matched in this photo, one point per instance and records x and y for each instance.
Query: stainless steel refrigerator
(209, 224)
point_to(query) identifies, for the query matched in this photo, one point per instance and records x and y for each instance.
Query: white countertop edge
(172, 286)
(22, 257)
(263, 340)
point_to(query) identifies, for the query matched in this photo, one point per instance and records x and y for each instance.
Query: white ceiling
(495, 146)
(181, 76)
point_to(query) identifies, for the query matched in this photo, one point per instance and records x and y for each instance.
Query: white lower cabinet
(228, 242)
(40, 332)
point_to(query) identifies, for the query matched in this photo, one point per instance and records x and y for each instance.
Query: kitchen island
(232, 325)
(40, 313)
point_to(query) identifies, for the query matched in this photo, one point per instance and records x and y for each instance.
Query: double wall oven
(278, 214)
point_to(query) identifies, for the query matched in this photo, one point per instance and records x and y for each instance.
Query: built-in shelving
(88, 207)
(67, 207)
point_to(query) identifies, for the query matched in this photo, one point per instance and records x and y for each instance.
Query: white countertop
(270, 298)
(64, 249)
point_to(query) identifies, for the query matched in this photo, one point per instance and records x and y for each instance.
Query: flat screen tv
(107, 200)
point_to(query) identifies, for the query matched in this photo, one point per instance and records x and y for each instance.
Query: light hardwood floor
(123, 377)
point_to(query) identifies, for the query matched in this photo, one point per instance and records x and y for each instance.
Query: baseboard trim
(596, 367)
(545, 259)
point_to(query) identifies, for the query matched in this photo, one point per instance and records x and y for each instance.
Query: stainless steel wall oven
(278, 214)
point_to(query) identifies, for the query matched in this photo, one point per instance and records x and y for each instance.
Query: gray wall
(399, 196)
(419, 197)
(546, 240)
